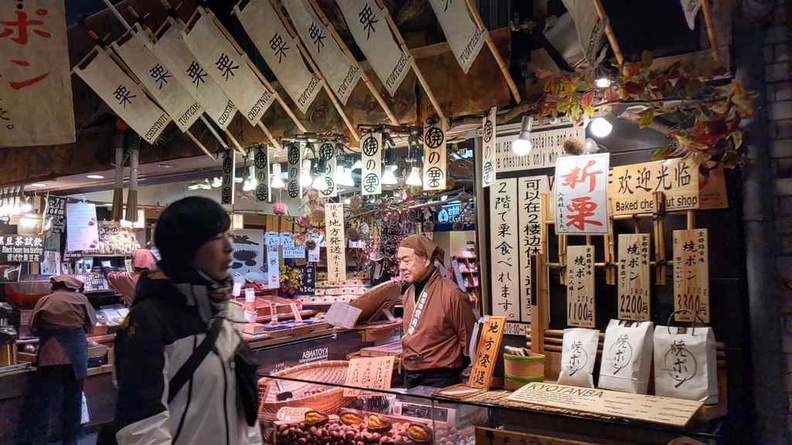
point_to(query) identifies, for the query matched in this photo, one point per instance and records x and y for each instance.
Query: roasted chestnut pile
(352, 428)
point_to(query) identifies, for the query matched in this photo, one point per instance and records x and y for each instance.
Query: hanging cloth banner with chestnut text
(435, 168)
(581, 199)
(35, 64)
(371, 152)
(261, 170)
(123, 96)
(171, 49)
(227, 67)
(227, 191)
(464, 37)
(327, 154)
(134, 48)
(294, 155)
(335, 239)
(280, 50)
(369, 27)
(340, 73)
(488, 147)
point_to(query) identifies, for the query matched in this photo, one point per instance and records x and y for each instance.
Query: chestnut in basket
(350, 417)
(377, 424)
(419, 433)
(315, 418)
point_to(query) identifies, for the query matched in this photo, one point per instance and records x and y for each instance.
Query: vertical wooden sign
(531, 233)
(580, 286)
(505, 254)
(487, 352)
(691, 274)
(229, 173)
(634, 282)
(336, 243)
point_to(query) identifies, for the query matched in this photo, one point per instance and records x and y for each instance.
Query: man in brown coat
(438, 318)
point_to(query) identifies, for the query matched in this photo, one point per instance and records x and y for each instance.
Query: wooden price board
(372, 373)
(487, 352)
(654, 409)
(691, 274)
(633, 280)
(580, 286)
(631, 186)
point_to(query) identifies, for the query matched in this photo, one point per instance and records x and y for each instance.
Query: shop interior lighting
(600, 127)
(319, 182)
(26, 206)
(277, 180)
(305, 176)
(389, 176)
(522, 146)
(94, 177)
(38, 184)
(217, 182)
(250, 182)
(414, 178)
(444, 198)
(602, 82)
(358, 165)
(343, 176)
(139, 224)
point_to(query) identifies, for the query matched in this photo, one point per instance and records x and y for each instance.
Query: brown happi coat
(444, 327)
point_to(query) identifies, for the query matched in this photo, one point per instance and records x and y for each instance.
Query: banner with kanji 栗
(580, 194)
(35, 85)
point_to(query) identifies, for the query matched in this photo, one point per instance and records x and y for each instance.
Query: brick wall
(778, 81)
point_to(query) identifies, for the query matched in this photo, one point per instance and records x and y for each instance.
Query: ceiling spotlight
(343, 176)
(94, 176)
(522, 146)
(600, 127)
(277, 181)
(414, 178)
(38, 184)
(358, 165)
(389, 176)
(305, 177)
(602, 82)
(217, 182)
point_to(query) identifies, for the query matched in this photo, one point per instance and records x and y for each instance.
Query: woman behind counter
(143, 261)
(61, 320)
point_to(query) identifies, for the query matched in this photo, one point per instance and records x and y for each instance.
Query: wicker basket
(328, 399)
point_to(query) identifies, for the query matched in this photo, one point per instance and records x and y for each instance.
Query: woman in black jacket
(174, 310)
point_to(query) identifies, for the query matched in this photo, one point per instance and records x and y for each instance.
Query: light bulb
(444, 198)
(414, 178)
(358, 165)
(27, 207)
(217, 182)
(602, 82)
(250, 184)
(305, 177)
(600, 127)
(389, 177)
(319, 182)
(344, 177)
(522, 146)
(347, 201)
(277, 181)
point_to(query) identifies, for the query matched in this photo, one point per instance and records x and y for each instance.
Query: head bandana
(424, 247)
(71, 282)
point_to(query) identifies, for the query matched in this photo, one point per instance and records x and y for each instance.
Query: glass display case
(310, 404)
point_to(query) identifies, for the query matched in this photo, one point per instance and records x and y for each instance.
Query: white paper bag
(626, 356)
(579, 353)
(84, 415)
(686, 363)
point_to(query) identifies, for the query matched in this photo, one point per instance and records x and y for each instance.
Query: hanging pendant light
(389, 175)
(277, 181)
(414, 178)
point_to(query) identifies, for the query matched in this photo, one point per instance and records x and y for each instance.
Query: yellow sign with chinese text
(631, 186)
(487, 352)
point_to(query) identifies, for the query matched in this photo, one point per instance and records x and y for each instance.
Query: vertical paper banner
(434, 168)
(123, 96)
(691, 274)
(369, 27)
(462, 34)
(35, 64)
(339, 71)
(272, 240)
(261, 165)
(371, 152)
(336, 243)
(634, 280)
(229, 176)
(504, 263)
(294, 154)
(134, 47)
(581, 310)
(327, 153)
(175, 53)
(488, 130)
(531, 233)
(289, 248)
(227, 67)
(590, 29)
(280, 50)
(581, 194)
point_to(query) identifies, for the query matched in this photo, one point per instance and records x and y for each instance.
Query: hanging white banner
(435, 168)
(590, 28)
(294, 154)
(488, 147)
(261, 168)
(336, 243)
(505, 251)
(340, 73)
(227, 67)
(134, 48)
(581, 194)
(327, 153)
(171, 49)
(547, 145)
(691, 9)
(123, 96)
(462, 34)
(371, 156)
(280, 50)
(369, 27)
(531, 233)
(272, 240)
(35, 64)
(227, 192)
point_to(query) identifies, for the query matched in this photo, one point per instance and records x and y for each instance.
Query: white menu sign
(82, 228)
(531, 233)
(505, 253)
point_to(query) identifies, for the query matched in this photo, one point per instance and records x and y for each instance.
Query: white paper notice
(342, 315)
(505, 251)
(336, 243)
(581, 194)
(547, 145)
(82, 229)
(272, 240)
(531, 229)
